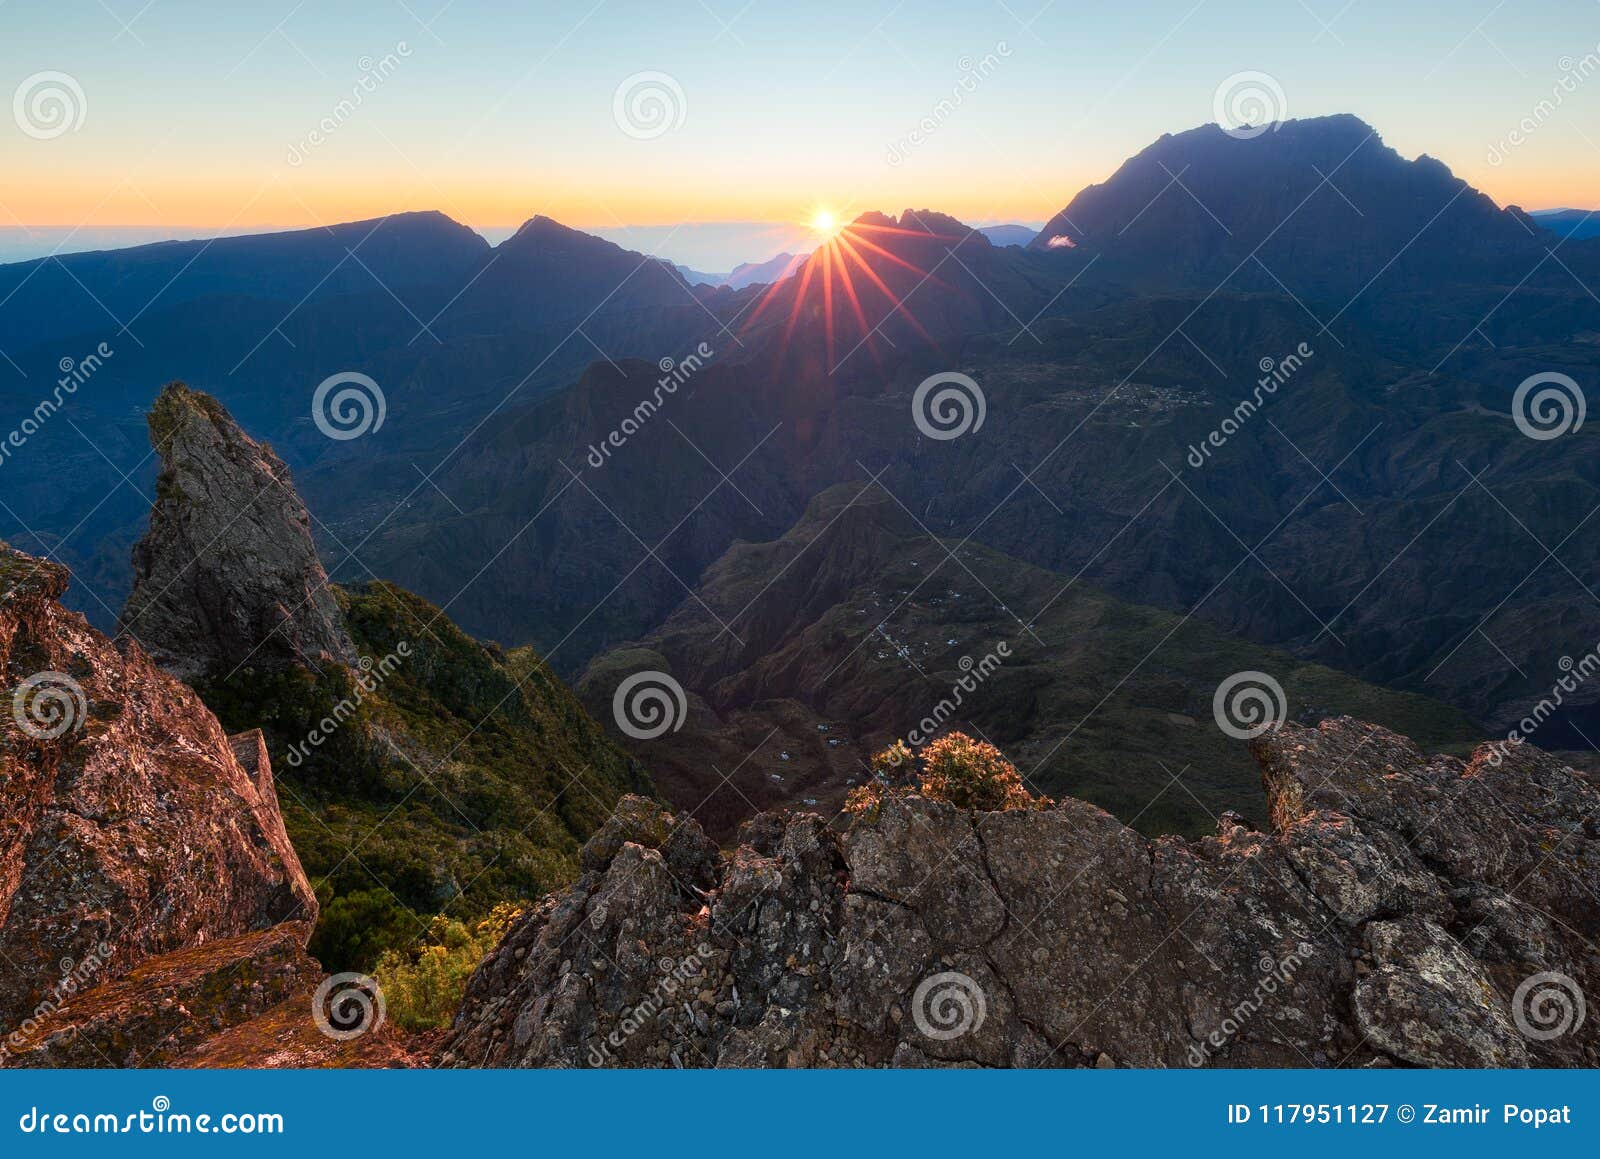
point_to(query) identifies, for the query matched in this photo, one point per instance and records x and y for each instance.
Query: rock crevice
(1394, 916)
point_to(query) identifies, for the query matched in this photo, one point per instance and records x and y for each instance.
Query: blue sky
(495, 111)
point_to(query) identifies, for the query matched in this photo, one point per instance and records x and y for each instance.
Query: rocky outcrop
(1404, 910)
(169, 1005)
(131, 825)
(227, 575)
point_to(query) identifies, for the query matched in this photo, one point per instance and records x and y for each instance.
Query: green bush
(356, 929)
(422, 986)
(464, 778)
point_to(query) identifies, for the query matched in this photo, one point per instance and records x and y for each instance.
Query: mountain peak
(1319, 204)
(918, 221)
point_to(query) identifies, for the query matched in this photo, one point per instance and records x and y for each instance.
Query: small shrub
(422, 987)
(967, 773)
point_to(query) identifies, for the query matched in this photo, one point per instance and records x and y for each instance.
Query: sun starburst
(846, 266)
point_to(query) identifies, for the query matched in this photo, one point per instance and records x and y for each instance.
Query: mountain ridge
(926, 935)
(804, 656)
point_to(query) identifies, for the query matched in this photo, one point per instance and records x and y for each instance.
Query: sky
(182, 118)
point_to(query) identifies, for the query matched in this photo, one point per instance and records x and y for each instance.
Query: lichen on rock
(1390, 917)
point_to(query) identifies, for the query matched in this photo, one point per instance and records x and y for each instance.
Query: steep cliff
(1403, 910)
(420, 769)
(129, 826)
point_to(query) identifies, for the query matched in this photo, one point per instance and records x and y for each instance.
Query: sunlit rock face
(131, 825)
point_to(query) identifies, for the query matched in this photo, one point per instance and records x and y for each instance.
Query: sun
(823, 223)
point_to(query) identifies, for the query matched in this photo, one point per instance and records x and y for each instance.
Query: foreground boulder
(227, 575)
(1405, 910)
(131, 828)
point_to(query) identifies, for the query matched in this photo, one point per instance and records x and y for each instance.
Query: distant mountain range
(1009, 234)
(1574, 223)
(1380, 512)
(774, 269)
(784, 265)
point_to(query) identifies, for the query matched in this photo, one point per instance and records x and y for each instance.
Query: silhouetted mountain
(774, 269)
(923, 278)
(744, 274)
(546, 275)
(1009, 234)
(698, 278)
(1321, 206)
(55, 297)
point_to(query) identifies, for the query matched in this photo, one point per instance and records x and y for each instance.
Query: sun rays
(849, 285)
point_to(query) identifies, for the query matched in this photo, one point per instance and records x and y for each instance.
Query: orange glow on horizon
(234, 202)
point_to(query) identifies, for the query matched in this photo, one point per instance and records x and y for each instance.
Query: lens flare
(843, 283)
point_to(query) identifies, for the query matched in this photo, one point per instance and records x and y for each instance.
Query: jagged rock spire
(227, 575)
